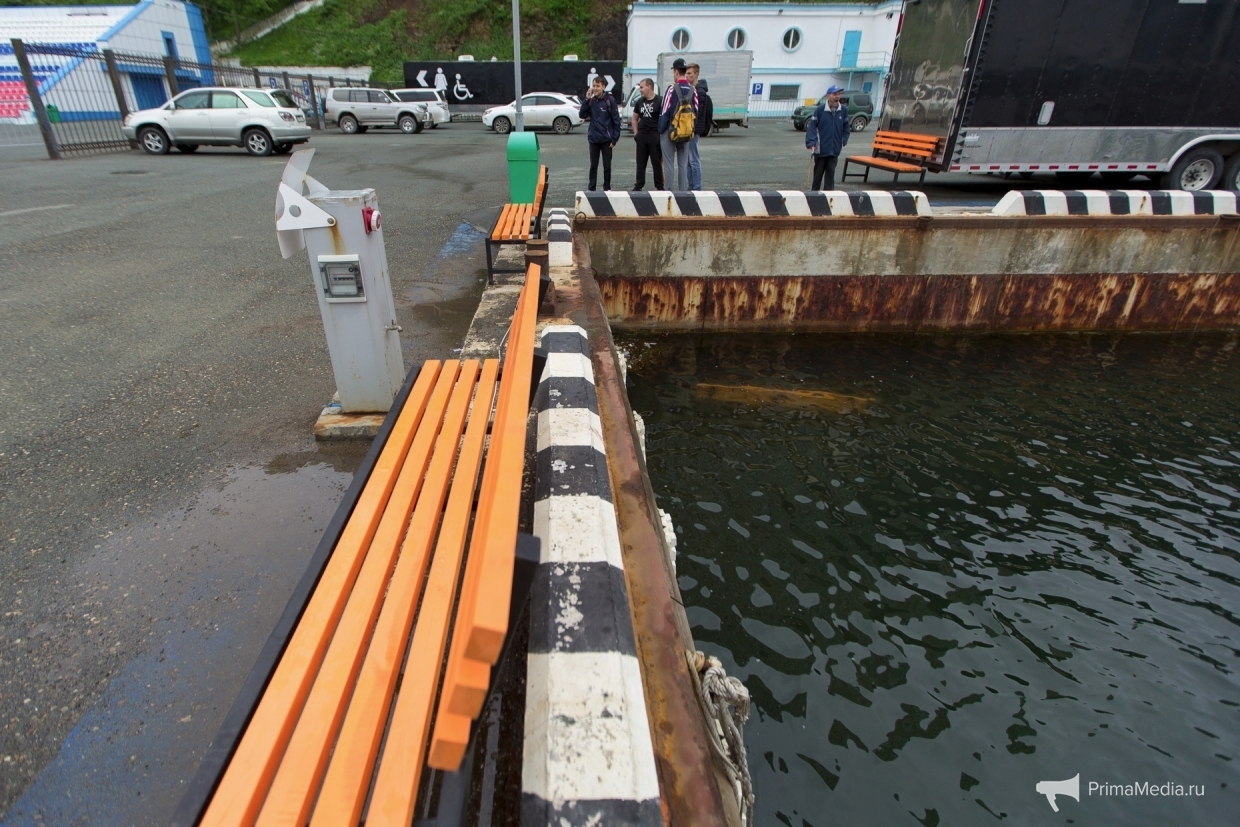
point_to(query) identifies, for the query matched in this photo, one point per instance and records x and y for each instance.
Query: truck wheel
(348, 124)
(502, 126)
(1231, 174)
(408, 124)
(562, 125)
(858, 123)
(1199, 169)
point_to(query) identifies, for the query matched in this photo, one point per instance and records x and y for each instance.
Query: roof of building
(61, 24)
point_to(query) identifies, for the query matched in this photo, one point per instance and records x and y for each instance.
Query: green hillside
(385, 33)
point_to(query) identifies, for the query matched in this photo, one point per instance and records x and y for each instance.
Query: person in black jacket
(706, 114)
(600, 109)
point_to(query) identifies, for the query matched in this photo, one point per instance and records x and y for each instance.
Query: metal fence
(73, 99)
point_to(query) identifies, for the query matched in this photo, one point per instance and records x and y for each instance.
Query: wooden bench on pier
(898, 153)
(310, 749)
(517, 224)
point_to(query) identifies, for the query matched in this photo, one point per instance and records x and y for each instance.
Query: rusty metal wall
(957, 273)
(1128, 301)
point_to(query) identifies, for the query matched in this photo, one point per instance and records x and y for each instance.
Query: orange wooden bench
(517, 224)
(310, 749)
(898, 153)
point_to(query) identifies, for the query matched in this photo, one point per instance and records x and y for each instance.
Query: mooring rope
(726, 703)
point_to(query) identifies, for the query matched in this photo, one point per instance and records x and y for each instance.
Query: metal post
(109, 58)
(258, 81)
(314, 103)
(516, 59)
(170, 71)
(287, 86)
(36, 102)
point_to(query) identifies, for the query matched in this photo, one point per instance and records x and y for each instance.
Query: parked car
(357, 110)
(539, 110)
(434, 99)
(860, 110)
(261, 120)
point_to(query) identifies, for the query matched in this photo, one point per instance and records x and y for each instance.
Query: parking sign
(757, 90)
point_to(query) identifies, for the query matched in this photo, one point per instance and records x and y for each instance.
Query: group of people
(666, 132)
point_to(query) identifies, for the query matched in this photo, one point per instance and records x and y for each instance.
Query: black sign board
(491, 82)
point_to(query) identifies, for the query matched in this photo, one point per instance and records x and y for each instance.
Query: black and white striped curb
(730, 204)
(1116, 202)
(588, 757)
(559, 238)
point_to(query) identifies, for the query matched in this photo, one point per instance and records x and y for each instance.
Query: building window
(736, 39)
(785, 91)
(792, 39)
(680, 39)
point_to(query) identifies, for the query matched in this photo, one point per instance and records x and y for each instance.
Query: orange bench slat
(347, 781)
(884, 163)
(396, 783)
(246, 780)
(505, 217)
(305, 759)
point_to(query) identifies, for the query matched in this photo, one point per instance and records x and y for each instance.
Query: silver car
(260, 120)
(356, 110)
(434, 100)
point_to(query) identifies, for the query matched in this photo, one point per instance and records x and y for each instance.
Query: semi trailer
(1117, 88)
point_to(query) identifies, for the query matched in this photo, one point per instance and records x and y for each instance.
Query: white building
(152, 28)
(798, 49)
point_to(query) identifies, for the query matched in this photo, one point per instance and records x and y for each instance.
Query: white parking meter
(342, 232)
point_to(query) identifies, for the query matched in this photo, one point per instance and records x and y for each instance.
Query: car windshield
(260, 98)
(284, 98)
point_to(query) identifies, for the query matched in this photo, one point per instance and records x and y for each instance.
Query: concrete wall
(973, 273)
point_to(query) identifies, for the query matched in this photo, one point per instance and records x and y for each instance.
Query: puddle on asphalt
(174, 613)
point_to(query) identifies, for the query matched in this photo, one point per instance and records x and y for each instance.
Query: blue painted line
(126, 20)
(461, 241)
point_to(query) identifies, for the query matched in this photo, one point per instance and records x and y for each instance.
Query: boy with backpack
(677, 122)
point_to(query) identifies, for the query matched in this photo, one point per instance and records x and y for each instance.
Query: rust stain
(1013, 302)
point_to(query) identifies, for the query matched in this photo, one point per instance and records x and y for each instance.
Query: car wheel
(434, 125)
(257, 142)
(187, 148)
(408, 124)
(1199, 169)
(153, 140)
(799, 127)
(348, 124)
(562, 125)
(502, 125)
(418, 126)
(1115, 179)
(283, 149)
(1231, 174)
(858, 123)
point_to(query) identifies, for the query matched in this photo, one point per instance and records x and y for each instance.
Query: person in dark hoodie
(706, 114)
(601, 110)
(826, 135)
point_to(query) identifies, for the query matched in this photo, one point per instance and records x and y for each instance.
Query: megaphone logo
(1050, 789)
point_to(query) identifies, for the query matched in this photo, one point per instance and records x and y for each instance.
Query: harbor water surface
(948, 568)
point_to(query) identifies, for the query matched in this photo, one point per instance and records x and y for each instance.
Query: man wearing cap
(676, 155)
(826, 134)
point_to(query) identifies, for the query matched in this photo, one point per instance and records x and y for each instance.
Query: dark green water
(1019, 563)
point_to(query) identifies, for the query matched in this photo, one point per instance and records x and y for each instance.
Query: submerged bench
(310, 751)
(898, 153)
(517, 224)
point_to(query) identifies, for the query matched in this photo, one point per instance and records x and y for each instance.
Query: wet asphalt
(161, 491)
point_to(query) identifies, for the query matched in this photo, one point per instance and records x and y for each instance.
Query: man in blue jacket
(826, 134)
(600, 109)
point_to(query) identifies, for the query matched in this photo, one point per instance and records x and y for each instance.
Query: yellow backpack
(683, 119)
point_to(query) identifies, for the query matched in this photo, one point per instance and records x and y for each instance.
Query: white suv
(261, 120)
(434, 100)
(356, 110)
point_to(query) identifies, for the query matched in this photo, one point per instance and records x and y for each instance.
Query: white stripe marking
(569, 426)
(36, 209)
(577, 528)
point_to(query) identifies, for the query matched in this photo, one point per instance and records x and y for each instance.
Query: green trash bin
(53, 114)
(522, 167)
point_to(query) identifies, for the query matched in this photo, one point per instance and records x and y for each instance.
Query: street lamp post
(516, 59)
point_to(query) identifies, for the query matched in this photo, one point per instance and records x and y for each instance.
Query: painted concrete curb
(726, 203)
(559, 235)
(588, 757)
(1116, 202)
